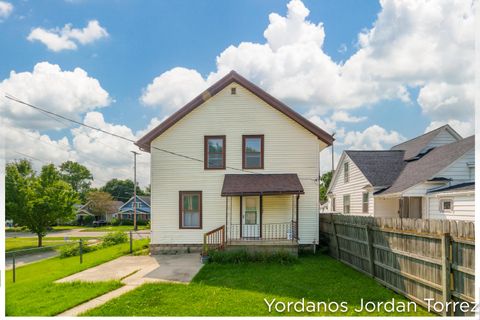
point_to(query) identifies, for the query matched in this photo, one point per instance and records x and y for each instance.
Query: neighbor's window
(333, 204)
(446, 205)
(365, 202)
(346, 204)
(190, 209)
(214, 152)
(253, 152)
(346, 172)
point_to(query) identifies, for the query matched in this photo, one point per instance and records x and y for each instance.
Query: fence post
(81, 250)
(13, 266)
(371, 255)
(131, 246)
(446, 293)
(334, 230)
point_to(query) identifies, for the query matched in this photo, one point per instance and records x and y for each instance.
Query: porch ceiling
(261, 184)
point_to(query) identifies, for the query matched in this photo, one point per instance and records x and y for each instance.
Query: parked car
(99, 223)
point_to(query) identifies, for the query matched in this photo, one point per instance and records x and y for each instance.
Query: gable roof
(145, 141)
(381, 168)
(144, 199)
(430, 164)
(414, 146)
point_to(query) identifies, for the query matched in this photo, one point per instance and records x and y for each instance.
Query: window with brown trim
(214, 150)
(190, 208)
(252, 152)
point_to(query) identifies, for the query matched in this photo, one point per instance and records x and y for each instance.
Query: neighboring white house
(430, 176)
(236, 157)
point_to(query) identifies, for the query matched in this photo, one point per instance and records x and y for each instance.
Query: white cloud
(372, 138)
(6, 9)
(174, 88)
(428, 45)
(342, 116)
(67, 38)
(70, 93)
(464, 128)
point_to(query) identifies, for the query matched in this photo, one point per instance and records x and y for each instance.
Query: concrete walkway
(133, 271)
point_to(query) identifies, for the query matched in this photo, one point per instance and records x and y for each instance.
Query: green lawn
(36, 294)
(239, 290)
(113, 228)
(28, 243)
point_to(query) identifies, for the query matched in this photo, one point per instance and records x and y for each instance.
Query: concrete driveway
(134, 271)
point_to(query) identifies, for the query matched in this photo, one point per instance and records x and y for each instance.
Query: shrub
(88, 220)
(113, 238)
(74, 250)
(243, 256)
(115, 222)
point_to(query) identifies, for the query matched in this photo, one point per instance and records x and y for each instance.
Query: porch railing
(214, 240)
(267, 231)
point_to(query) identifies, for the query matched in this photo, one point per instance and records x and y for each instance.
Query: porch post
(261, 214)
(241, 203)
(226, 218)
(296, 213)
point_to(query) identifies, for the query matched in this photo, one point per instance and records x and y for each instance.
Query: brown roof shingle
(261, 184)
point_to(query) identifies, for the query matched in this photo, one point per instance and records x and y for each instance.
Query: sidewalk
(29, 258)
(133, 271)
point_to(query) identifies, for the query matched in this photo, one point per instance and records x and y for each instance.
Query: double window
(190, 210)
(252, 152)
(214, 152)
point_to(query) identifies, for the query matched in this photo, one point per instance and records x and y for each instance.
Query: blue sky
(148, 38)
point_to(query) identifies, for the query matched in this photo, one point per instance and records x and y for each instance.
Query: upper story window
(214, 152)
(190, 209)
(253, 150)
(346, 172)
(346, 203)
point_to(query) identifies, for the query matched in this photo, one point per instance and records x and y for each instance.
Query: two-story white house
(431, 176)
(235, 159)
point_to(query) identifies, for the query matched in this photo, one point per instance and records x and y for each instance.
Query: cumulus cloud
(427, 45)
(342, 116)
(372, 138)
(67, 38)
(70, 93)
(6, 9)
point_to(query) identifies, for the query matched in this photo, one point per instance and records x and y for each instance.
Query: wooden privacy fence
(417, 258)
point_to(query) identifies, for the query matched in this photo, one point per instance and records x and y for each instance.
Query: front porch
(261, 213)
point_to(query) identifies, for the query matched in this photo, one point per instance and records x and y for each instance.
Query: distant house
(125, 212)
(83, 211)
(431, 176)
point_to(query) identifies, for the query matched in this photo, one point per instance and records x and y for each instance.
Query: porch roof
(261, 184)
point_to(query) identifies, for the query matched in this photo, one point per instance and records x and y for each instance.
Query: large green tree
(78, 176)
(100, 203)
(121, 190)
(37, 202)
(325, 180)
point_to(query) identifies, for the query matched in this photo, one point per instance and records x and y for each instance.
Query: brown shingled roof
(144, 142)
(261, 184)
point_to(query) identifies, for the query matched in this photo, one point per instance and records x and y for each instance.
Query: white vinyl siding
(354, 187)
(463, 207)
(442, 138)
(459, 170)
(288, 148)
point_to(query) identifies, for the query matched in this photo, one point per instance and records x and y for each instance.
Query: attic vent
(233, 90)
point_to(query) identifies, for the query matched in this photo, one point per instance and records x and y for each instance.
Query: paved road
(29, 258)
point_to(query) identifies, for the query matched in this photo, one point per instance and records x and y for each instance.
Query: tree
(121, 190)
(40, 200)
(78, 176)
(325, 180)
(17, 177)
(100, 203)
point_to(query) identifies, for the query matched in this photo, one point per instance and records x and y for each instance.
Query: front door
(251, 217)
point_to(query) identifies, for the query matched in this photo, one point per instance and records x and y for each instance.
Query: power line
(11, 97)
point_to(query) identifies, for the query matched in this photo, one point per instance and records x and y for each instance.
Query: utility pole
(135, 190)
(333, 155)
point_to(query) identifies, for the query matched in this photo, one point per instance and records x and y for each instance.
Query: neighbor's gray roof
(380, 167)
(430, 164)
(414, 146)
(146, 199)
(467, 186)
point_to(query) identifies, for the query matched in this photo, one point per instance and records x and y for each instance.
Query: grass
(12, 244)
(240, 289)
(113, 228)
(35, 293)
